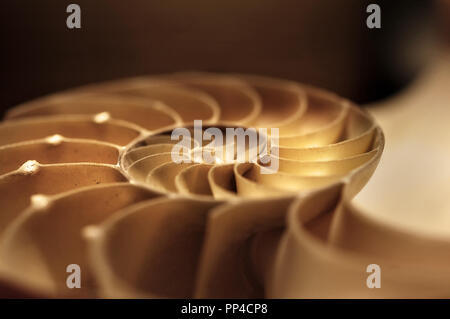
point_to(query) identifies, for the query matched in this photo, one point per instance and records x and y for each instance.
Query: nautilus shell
(87, 178)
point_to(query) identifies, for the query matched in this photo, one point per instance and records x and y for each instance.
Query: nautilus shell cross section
(87, 178)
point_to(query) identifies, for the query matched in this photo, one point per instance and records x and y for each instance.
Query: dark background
(321, 42)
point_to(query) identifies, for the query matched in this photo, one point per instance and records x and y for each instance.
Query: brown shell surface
(87, 179)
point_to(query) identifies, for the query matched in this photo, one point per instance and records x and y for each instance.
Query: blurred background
(321, 42)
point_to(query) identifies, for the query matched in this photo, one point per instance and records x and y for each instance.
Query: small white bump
(29, 167)
(55, 139)
(39, 201)
(90, 232)
(102, 117)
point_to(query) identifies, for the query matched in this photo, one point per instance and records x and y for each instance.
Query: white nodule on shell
(39, 201)
(55, 139)
(29, 167)
(90, 232)
(102, 117)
